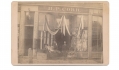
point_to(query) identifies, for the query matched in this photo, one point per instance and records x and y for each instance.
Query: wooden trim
(29, 25)
(21, 34)
(27, 8)
(35, 33)
(90, 34)
(64, 12)
(93, 5)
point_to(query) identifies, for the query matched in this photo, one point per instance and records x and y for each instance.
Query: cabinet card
(60, 33)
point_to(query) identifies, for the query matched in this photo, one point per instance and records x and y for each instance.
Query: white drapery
(49, 30)
(81, 26)
(62, 24)
(81, 36)
(65, 26)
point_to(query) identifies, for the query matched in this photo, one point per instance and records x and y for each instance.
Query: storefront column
(41, 40)
(44, 37)
(21, 34)
(48, 35)
(90, 34)
(35, 34)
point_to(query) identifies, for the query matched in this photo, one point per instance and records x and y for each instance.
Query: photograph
(60, 33)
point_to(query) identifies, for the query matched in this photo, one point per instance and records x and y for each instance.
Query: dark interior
(28, 38)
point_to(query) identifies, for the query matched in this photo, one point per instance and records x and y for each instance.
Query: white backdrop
(5, 41)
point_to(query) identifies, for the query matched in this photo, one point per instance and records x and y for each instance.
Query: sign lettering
(63, 9)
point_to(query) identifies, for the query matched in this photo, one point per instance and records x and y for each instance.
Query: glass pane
(100, 45)
(96, 36)
(94, 45)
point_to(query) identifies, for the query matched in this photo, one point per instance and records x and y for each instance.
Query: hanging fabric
(66, 25)
(63, 23)
(82, 22)
(49, 30)
(80, 27)
(80, 40)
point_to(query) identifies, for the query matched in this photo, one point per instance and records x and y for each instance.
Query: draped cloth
(65, 25)
(49, 30)
(82, 38)
(62, 25)
(61, 34)
(81, 26)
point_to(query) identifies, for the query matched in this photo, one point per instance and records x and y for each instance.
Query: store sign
(63, 9)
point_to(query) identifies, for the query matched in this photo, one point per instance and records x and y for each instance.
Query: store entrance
(28, 39)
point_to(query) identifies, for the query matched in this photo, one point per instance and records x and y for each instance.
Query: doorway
(28, 38)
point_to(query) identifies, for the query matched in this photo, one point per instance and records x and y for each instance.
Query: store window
(28, 34)
(77, 25)
(29, 20)
(97, 34)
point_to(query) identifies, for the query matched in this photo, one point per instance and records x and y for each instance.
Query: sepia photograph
(60, 33)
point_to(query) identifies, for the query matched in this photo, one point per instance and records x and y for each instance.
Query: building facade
(34, 34)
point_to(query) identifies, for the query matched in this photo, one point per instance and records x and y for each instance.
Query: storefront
(83, 27)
